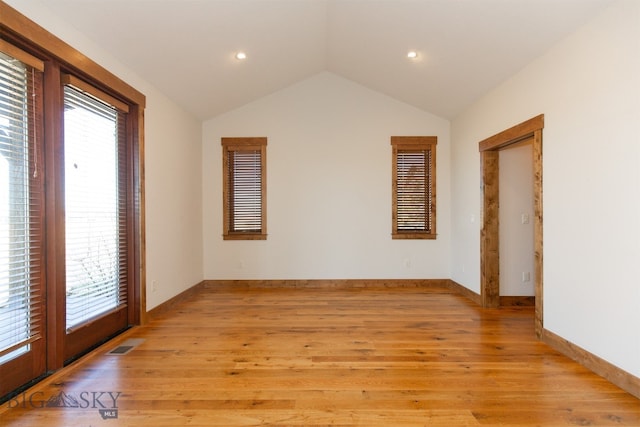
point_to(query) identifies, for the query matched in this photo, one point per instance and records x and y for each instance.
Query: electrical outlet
(526, 276)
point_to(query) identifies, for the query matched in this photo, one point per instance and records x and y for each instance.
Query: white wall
(516, 231)
(173, 177)
(328, 187)
(174, 201)
(588, 87)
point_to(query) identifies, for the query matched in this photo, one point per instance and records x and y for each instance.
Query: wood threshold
(517, 301)
(54, 377)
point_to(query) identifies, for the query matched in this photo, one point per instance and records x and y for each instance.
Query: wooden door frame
(490, 233)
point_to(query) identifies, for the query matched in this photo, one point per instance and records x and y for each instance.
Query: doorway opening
(490, 234)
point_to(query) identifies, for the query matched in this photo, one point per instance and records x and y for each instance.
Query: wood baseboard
(329, 283)
(165, 306)
(464, 291)
(626, 381)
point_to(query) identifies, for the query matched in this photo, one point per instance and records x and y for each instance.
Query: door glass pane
(15, 316)
(91, 207)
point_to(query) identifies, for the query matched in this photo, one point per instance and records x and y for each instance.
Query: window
(20, 208)
(414, 187)
(95, 202)
(244, 188)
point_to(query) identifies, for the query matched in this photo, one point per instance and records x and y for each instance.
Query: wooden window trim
(398, 144)
(230, 144)
(22, 56)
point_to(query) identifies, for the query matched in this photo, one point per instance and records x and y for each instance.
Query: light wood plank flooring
(340, 357)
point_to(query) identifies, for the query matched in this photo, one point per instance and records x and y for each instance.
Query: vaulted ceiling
(186, 48)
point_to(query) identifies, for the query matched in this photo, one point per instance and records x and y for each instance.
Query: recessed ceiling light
(412, 54)
(241, 55)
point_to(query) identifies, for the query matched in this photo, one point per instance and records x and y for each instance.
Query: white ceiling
(186, 47)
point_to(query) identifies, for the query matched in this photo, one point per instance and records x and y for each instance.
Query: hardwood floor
(341, 357)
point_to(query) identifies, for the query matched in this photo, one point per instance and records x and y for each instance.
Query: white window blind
(245, 197)
(95, 199)
(413, 192)
(20, 210)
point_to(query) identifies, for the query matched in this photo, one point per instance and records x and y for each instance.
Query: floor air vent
(126, 346)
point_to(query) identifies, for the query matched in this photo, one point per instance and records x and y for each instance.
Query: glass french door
(22, 335)
(95, 200)
(70, 203)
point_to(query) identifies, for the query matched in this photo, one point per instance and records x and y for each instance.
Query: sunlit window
(91, 206)
(15, 324)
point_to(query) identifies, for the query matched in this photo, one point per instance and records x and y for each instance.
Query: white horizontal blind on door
(95, 218)
(245, 197)
(21, 276)
(413, 190)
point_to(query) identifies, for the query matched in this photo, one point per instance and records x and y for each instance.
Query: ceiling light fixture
(412, 54)
(241, 55)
